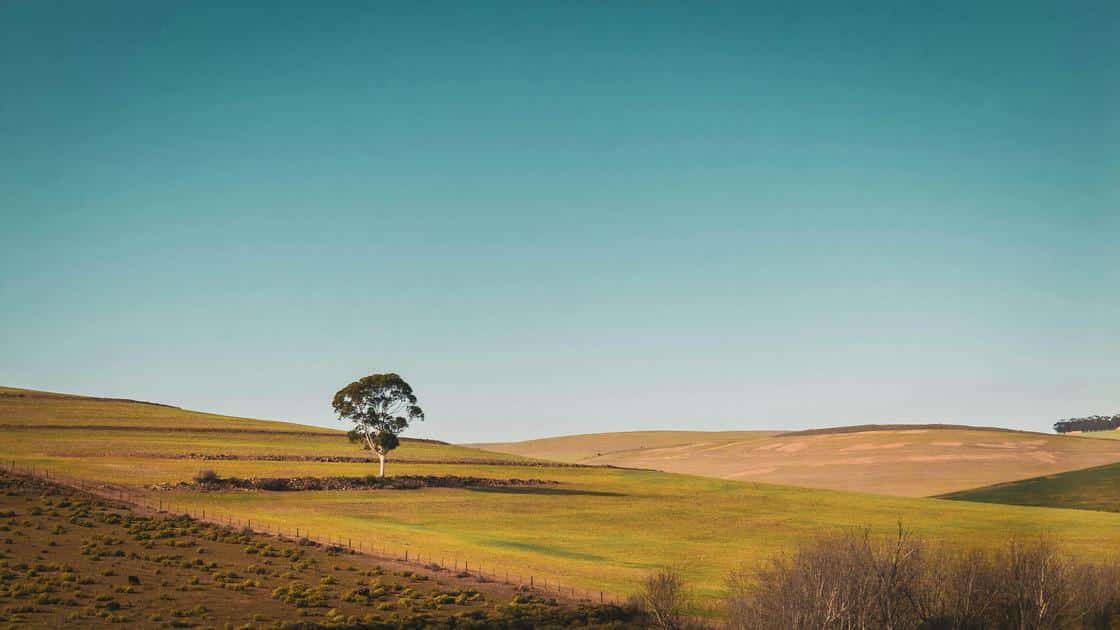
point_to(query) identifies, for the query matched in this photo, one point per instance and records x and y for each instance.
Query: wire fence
(457, 566)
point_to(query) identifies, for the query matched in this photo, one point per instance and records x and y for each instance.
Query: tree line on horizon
(1088, 423)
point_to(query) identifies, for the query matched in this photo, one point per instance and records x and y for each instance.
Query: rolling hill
(1103, 435)
(51, 424)
(592, 527)
(918, 460)
(1096, 488)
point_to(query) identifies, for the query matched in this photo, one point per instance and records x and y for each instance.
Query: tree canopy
(1089, 423)
(380, 407)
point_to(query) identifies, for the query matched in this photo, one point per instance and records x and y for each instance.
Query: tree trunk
(381, 457)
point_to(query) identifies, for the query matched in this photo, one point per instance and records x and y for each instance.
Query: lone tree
(381, 406)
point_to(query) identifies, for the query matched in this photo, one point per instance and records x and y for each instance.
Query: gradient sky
(582, 216)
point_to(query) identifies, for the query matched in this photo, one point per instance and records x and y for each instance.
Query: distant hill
(905, 460)
(1103, 435)
(49, 423)
(1096, 488)
(584, 447)
(26, 407)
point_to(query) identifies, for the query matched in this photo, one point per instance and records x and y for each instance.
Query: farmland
(1103, 435)
(897, 460)
(595, 528)
(1096, 488)
(71, 559)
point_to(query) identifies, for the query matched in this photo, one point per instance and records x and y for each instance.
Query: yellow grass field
(903, 461)
(597, 528)
(1103, 435)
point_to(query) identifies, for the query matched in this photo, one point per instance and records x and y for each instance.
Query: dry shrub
(665, 601)
(854, 581)
(839, 581)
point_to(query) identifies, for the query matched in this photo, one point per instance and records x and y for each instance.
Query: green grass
(1103, 435)
(129, 443)
(42, 423)
(1089, 489)
(30, 407)
(599, 528)
(66, 560)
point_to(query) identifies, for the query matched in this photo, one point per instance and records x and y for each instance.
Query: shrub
(665, 600)
(854, 580)
(206, 476)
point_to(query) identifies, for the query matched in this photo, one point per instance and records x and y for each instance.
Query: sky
(556, 218)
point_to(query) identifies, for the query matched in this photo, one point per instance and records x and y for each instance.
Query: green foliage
(380, 406)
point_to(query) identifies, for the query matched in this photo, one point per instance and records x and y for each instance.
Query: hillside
(1095, 488)
(898, 460)
(582, 448)
(595, 528)
(1103, 435)
(50, 424)
(117, 568)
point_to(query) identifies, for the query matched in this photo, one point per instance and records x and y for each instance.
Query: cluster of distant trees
(1090, 423)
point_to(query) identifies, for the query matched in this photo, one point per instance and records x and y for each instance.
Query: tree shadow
(544, 490)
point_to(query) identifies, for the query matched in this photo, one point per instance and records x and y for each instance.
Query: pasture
(68, 559)
(1096, 488)
(597, 528)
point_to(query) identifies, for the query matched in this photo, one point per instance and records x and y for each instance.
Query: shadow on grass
(543, 490)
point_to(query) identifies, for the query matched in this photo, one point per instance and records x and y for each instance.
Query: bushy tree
(380, 406)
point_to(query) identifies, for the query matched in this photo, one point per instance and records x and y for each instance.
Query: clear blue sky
(579, 217)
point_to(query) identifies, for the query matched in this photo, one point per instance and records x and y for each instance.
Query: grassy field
(30, 407)
(904, 461)
(1095, 488)
(596, 528)
(1103, 435)
(68, 559)
(48, 424)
